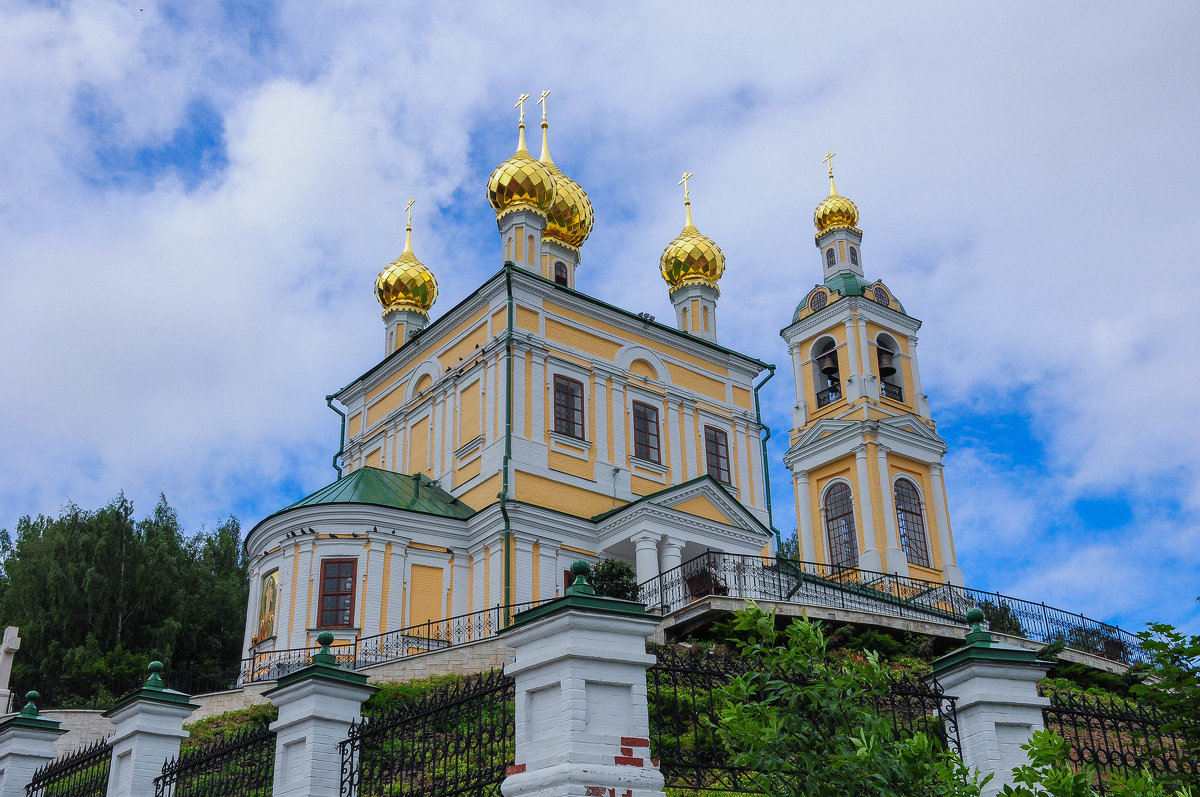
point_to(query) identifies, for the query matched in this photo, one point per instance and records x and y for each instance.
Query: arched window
(853, 256)
(891, 381)
(839, 527)
(830, 257)
(529, 252)
(827, 382)
(911, 523)
(560, 272)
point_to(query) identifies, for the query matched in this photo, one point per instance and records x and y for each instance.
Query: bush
(614, 579)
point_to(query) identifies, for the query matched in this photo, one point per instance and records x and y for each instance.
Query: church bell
(886, 368)
(828, 364)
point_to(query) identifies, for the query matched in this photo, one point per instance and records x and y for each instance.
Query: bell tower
(865, 456)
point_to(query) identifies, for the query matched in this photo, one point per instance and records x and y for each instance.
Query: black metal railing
(683, 690)
(460, 740)
(829, 395)
(240, 765)
(390, 645)
(1113, 735)
(815, 584)
(891, 390)
(82, 773)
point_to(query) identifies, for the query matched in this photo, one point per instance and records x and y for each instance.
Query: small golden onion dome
(406, 284)
(570, 218)
(692, 258)
(521, 183)
(835, 211)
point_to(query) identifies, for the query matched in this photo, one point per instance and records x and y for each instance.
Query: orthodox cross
(542, 102)
(408, 208)
(828, 159)
(687, 197)
(521, 104)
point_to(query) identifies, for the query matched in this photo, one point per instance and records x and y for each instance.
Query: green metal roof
(846, 284)
(369, 485)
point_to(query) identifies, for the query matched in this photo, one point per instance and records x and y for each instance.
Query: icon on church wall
(266, 613)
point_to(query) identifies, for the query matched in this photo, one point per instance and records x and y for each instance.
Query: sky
(195, 199)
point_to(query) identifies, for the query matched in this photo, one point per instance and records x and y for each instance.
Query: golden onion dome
(570, 218)
(521, 183)
(835, 211)
(406, 284)
(692, 258)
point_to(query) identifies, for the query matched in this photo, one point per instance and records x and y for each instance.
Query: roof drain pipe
(508, 399)
(766, 466)
(341, 437)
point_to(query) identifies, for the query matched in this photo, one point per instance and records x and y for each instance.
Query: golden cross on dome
(828, 159)
(409, 209)
(542, 102)
(687, 197)
(521, 104)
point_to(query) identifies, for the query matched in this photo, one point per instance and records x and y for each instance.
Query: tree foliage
(98, 594)
(1174, 685)
(1049, 774)
(615, 579)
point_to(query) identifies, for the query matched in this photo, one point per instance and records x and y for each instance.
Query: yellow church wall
(565, 463)
(578, 338)
(499, 321)
(566, 498)
(464, 473)
(643, 486)
(386, 383)
(877, 504)
(418, 447)
(465, 347)
(425, 594)
(743, 398)
(702, 507)
(919, 473)
(379, 410)
(642, 369)
(482, 494)
(468, 413)
(374, 458)
(527, 319)
(354, 424)
(690, 380)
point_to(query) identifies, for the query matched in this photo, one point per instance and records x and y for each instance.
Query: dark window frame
(324, 593)
(568, 407)
(716, 455)
(853, 256)
(561, 274)
(910, 522)
(830, 258)
(647, 442)
(840, 529)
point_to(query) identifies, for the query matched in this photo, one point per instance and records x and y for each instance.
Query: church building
(531, 425)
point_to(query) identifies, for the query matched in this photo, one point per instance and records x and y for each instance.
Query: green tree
(615, 579)
(1171, 681)
(805, 721)
(1049, 774)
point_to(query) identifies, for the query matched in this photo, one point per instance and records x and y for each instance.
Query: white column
(671, 555)
(894, 557)
(396, 589)
(316, 706)
(398, 444)
(538, 404)
(460, 570)
(853, 385)
(549, 573)
(646, 555)
(489, 399)
(523, 569)
(676, 438)
(582, 723)
(689, 436)
(870, 558)
(808, 551)
(437, 421)
(743, 461)
(618, 398)
(950, 569)
(602, 469)
(918, 400)
(149, 728)
(26, 745)
(870, 386)
(519, 407)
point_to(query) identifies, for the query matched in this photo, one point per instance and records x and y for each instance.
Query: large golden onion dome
(570, 218)
(521, 183)
(835, 211)
(692, 258)
(406, 284)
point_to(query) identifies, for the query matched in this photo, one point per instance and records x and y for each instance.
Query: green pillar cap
(977, 636)
(155, 680)
(323, 656)
(31, 710)
(580, 586)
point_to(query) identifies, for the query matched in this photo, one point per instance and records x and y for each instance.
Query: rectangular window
(337, 593)
(716, 452)
(568, 406)
(645, 432)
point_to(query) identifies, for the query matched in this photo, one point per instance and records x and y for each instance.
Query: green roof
(846, 284)
(369, 485)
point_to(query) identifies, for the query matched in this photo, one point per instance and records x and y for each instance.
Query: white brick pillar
(645, 556)
(316, 706)
(582, 725)
(26, 744)
(998, 704)
(149, 728)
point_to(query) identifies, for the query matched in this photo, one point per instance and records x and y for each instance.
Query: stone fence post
(149, 728)
(998, 706)
(582, 726)
(316, 706)
(26, 743)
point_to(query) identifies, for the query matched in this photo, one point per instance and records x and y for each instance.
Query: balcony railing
(890, 390)
(829, 394)
(814, 584)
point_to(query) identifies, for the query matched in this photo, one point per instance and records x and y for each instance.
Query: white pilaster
(676, 438)
(919, 400)
(808, 551)
(894, 557)
(538, 402)
(870, 558)
(646, 555)
(523, 569)
(26, 745)
(870, 385)
(950, 569)
(671, 554)
(460, 570)
(148, 730)
(852, 385)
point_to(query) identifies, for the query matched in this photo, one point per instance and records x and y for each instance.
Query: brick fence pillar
(26, 743)
(582, 726)
(998, 706)
(149, 728)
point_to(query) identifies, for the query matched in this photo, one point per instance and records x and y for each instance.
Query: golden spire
(546, 159)
(406, 283)
(521, 123)
(692, 258)
(835, 211)
(520, 183)
(570, 218)
(828, 160)
(408, 229)
(687, 200)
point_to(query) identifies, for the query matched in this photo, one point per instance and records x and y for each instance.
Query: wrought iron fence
(82, 773)
(459, 740)
(816, 584)
(683, 694)
(1117, 736)
(240, 765)
(389, 646)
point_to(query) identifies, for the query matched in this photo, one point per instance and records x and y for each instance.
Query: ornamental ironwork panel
(683, 689)
(459, 740)
(82, 773)
(240, 765)
(1114, 735)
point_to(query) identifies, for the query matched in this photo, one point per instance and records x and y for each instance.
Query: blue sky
(195, 200)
